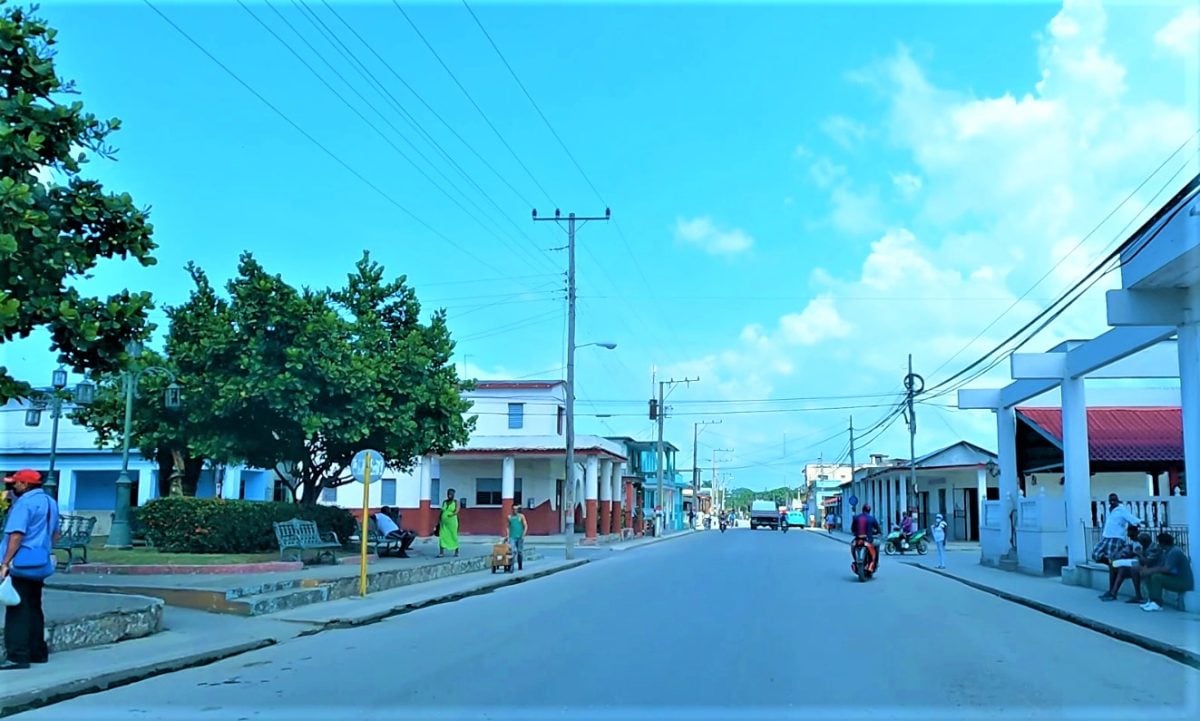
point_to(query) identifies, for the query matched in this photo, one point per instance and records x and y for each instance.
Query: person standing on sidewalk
(1114, 540)
(448, 526)
(27, 556)
(518, 527)
(939, 538)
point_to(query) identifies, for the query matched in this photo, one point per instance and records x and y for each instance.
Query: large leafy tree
(52, 232)
(157, 432)
(298, 380)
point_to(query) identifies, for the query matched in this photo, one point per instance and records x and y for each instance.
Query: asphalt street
(746, 624)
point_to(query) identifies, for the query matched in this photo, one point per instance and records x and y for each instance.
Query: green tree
(52, 232)
(299, 380)
(157, 432)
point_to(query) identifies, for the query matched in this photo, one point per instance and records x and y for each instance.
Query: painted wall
(540, 413)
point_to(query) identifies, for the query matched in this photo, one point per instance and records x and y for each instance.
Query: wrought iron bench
(75, 533)
(300, 536)
(378, 543)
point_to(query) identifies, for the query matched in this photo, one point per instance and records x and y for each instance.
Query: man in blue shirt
(1174, 574)
(28, 558)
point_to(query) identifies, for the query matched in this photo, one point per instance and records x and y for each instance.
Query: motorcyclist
(783, 518)
(865, 526)
(907, 525)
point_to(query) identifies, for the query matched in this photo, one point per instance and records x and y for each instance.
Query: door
(558, 503)
(970, 513)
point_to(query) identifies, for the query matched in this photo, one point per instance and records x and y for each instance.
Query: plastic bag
(8, 594)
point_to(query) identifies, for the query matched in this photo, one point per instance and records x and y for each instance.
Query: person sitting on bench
(390, 530)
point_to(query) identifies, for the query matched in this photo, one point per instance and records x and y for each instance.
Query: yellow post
(362, 558)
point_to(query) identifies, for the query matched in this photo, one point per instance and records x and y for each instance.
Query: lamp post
(121, 535)
(568, 508)
(83, 394)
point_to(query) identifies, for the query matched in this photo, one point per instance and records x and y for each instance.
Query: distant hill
(740, 498)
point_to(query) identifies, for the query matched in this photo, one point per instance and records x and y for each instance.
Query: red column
(630, 503)
(506, 506)
(605, 517)
(616, 517)
(590, 521)
(425, 519)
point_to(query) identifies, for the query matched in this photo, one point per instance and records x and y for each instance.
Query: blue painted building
(643, 471)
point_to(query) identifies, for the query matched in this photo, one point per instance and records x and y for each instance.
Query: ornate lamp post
(84, 393)
(121, 536)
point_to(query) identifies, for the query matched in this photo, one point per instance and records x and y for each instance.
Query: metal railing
(1092, 536)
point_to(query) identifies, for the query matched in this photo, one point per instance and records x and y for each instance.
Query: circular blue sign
(853, 500)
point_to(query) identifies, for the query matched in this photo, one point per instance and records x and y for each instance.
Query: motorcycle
(783, 525)
(723, 526)
(895, 543)
(858, 548)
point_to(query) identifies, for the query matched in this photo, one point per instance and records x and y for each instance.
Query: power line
(308, 136)
(466, 93)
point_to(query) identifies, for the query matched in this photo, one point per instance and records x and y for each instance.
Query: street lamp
(568, 508)
(83, 394)
(121, 535)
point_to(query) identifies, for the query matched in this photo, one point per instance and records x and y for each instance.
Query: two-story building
(516, 454)
(642, 473)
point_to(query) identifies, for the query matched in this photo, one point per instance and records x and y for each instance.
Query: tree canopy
(56, 225)
(299, 380)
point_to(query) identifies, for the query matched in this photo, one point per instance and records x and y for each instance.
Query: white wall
(540, 418)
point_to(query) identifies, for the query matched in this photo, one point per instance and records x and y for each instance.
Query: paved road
(741, 625)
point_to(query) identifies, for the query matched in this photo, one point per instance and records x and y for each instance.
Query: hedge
(217, 525)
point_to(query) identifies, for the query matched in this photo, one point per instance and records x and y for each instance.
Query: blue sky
(803, 194)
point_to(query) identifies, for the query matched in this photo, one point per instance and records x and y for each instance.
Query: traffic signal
(653, 409)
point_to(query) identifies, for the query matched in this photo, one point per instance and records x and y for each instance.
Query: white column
(981, 483)
(66, 490)
(1150, 484)
(508, 477)
(1076, 467)
(231, 485)
(1006, 449)
(146, 484)
(618, 476)
(591, 480)
(1189, 392)
(605, 480)
(426, 475)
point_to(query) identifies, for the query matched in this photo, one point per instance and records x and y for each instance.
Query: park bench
(300, 536)
(376, 542)
(75, 534)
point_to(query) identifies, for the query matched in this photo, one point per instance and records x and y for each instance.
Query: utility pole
(913, 384)
(714, 469)
(846, 505)
(662, 415)
(695, 467)
(568, 509)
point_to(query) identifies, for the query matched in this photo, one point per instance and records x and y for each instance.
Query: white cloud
(907, 184)
(819, 321)
(1181, 35)
(999, 189)
(844, 131)
(703, 233)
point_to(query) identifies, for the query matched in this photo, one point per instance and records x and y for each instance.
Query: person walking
(27, 557)
(939, 538)
(448, 526)
(518, 527)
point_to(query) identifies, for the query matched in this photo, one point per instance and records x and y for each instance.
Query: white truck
(764, 513)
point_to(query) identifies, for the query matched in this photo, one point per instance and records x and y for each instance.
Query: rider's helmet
(866, 508)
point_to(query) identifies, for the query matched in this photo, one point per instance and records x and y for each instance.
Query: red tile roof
(1120, 434)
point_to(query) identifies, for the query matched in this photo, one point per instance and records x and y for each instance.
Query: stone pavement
(77, 620)
(1170, 632)
(192, 638)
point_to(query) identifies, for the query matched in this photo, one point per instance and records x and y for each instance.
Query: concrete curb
(651, 541)
(1174, 653)
(487, 586)
(25, 700)
(112, 569)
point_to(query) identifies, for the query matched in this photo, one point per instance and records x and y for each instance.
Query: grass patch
(151, 557)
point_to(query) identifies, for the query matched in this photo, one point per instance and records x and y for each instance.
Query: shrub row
(216, 525)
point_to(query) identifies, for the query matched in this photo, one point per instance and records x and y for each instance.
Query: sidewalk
(1172, 633)
(194, 638)
(78, 620)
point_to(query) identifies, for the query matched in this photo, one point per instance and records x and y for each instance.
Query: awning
(831, 501)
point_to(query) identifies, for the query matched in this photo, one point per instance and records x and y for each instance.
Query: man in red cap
(27, 556)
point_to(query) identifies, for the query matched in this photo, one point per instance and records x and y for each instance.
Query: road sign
(358, 466)
(853, 501)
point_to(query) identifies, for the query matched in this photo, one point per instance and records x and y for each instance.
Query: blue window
(490, 491)
(387, 492)
(516, 415)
